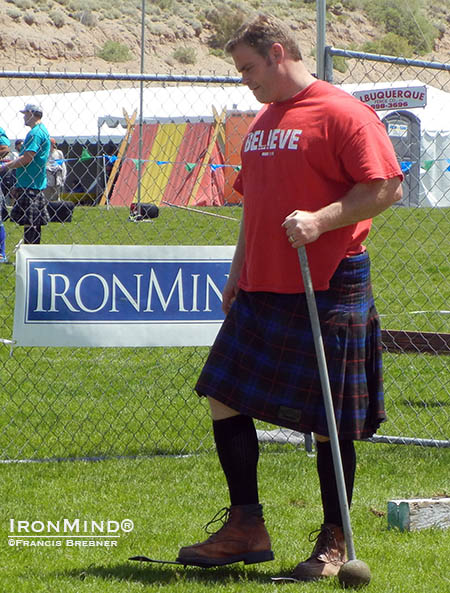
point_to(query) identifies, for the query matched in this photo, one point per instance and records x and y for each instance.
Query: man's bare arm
(21, 161)
(231, 287)
(363, 201)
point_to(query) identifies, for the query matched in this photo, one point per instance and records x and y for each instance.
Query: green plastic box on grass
(419, 513)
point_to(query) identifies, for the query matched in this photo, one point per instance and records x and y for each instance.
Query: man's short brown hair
(261, 33)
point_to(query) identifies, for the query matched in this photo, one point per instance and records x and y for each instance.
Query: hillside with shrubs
(188, 35)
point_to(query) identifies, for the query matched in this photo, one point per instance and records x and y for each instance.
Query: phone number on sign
(389, 105)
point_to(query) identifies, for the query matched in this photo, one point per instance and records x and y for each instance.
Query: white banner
(407, 97)
(103, 295)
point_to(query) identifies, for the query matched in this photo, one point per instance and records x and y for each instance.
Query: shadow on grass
(423, 404)
(164, 575)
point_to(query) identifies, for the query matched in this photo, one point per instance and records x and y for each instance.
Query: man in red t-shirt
(317, 165)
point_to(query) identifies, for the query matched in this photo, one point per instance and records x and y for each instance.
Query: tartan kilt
(263, 361)
(30, 208)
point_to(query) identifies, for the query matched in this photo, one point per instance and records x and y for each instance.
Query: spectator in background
(30, 206)
(11, 177)
(17, 148)
(4, 157)
(56, 173)
(6, 154)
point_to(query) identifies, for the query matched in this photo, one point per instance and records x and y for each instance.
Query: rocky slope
(46, 34)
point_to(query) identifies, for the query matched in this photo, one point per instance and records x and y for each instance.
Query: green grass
(417, 396)
(410, 254)
(170, 499)
(88, 402)
(94, 402)
(101, 402)
(72, 402)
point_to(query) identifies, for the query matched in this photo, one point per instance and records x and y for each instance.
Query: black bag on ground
(60, 211)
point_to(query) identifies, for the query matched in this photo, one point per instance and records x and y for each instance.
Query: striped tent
(181, 164)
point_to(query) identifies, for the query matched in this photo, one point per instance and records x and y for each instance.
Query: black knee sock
(328, 488)
(238, 450)
(32, 235)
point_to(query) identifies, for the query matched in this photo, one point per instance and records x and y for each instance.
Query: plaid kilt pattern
(30, 208)
(263, 362)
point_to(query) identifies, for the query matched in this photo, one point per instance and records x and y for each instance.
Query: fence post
(328, 66)
(321, 9)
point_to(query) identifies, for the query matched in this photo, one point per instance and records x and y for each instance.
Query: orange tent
(236, 126)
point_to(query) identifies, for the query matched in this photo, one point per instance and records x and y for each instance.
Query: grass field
(106, 402)
(77, 402)
(170, 499)
(410, 254)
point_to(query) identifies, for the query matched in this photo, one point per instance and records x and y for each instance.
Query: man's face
(28, 118)
(258, 73)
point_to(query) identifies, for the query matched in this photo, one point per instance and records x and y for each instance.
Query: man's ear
(277, 52)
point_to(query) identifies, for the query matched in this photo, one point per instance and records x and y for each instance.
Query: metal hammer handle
(328, 401)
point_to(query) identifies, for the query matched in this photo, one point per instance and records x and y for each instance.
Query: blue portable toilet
(403, 128)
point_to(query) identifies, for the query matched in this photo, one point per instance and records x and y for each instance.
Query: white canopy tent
(96, 115)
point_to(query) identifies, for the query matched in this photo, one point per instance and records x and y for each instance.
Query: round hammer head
(354, 573)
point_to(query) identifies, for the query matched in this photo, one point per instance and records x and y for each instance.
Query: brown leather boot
(327, 557)
(243, 537)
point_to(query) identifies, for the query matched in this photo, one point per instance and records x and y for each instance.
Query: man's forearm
(231, 289)
(363, 201)
(239, 254)
(21, 161)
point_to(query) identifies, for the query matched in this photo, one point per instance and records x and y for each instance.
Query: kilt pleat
(263, 361)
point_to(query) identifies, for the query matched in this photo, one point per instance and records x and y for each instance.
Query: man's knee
(220, 411)
(320, 438)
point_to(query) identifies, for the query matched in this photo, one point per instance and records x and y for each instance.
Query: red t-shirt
(302, 154)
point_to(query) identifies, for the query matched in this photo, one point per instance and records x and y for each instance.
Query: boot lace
(325, 542)
(221, 516)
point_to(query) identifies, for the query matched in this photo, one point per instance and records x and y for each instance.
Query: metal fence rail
(416, 314)
(183, 151)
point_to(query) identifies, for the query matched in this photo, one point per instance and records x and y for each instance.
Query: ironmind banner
(103, 295)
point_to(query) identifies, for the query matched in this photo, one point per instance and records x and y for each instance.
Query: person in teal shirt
(30, 206)
(4, 153)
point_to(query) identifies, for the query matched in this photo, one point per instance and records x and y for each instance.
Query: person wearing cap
(56, 172)
(4, 155)
(30, 206)
(17, 147)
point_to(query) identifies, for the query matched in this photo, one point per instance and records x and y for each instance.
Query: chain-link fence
(409, 244)
(150, 160)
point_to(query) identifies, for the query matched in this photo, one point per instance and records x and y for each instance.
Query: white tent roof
(83, 115)
(80, 116)
(91, 115)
